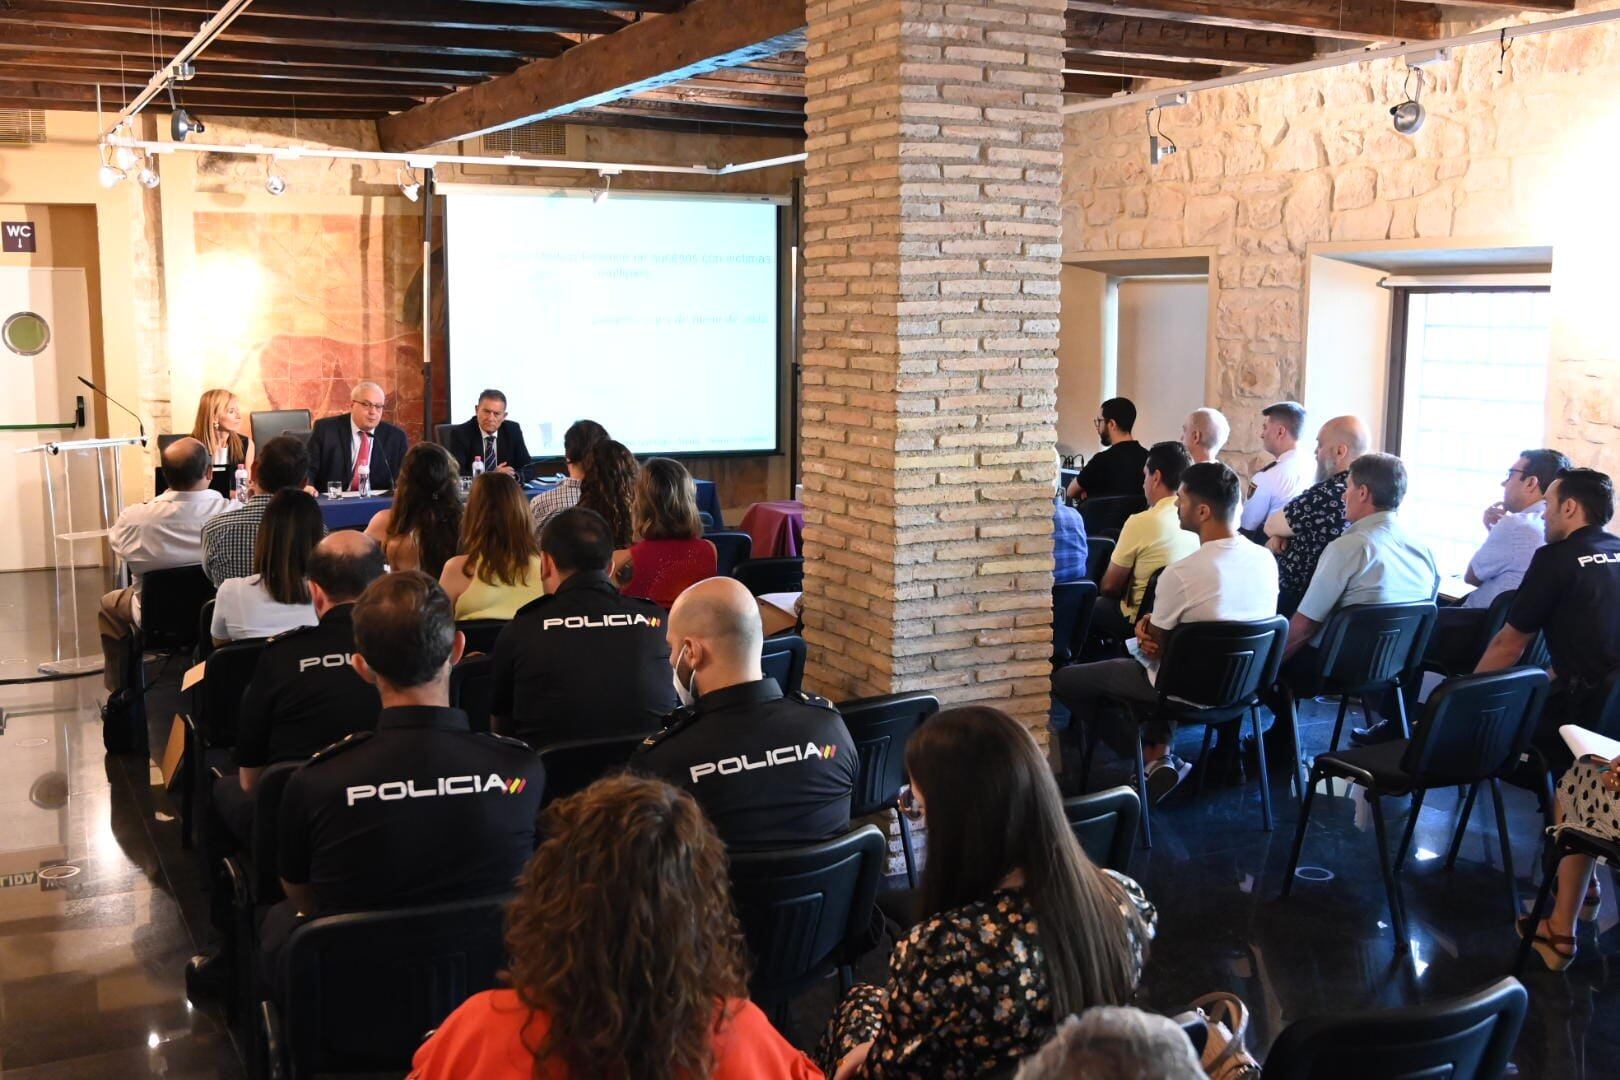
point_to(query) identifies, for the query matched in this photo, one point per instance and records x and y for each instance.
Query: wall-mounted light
(109, 175)
(1408, 115)
(274, 182)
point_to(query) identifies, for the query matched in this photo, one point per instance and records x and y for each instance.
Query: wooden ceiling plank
(1159, 39)
(1352, 20)
(427, 14)
(1095, 85)
(100, 68)
(1095, 64)
(675, 111)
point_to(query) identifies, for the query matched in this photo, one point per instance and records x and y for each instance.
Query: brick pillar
(931, 259)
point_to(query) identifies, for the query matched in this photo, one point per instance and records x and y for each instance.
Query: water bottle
(364, 482)
(239, 489)
(478, 466)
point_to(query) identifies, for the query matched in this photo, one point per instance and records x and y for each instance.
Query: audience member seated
(1116, 469)
(219, 428)
(229, 541)
(499, 570)
(670, 553)
(1588, 802)
(1115, 1042)
(1019, 928)
(348, 841)
(158, 534)
(340, 444)
(275, 598)
(1227, 579)
(578, 441)
(1571, 592)
(629, 869)
(1291, 471)
(1376, 561)
(1203, 433)
(491, 437)
(769, 770)
(609, 488)
(1149, 541)
(582, 661)
(1515, 529)
(421, 530)
(1069, 545)
(1314, 518)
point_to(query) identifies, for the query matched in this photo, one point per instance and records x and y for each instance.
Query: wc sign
(17, 237)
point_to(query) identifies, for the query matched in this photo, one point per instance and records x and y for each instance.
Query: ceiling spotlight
(600, 194)
(109, 175)
(1160, 145)
(409, 186)
(125, 158)
(148, 176)
(182, 123)
(1408, 115)
(274, 182)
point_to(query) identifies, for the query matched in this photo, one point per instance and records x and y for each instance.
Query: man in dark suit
(491, 436)
(338, 445)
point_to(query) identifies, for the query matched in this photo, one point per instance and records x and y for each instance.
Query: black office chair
(171, 601)
(763, 576)
(269, 423)
(481, 633)
(578, 763)
(1462, 1038)
(881, 727)
(252, 877)
(731, 549)
(1099, 550)
(210, 726)
(1494, 619)
(1072, 605)
(441, 433)
(805, 911)
(782, 659)
(166, 441)
(1106, 514)
(205, 635)
(472, 689)
(1105, 824)
(361, 990)
(1566, 842)
(1474, 729)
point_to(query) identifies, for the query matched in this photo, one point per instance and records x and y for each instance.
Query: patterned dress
(1587, 804)
(967, 992)
(1316, 516)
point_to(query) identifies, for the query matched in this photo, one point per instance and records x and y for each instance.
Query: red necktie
(363, 461)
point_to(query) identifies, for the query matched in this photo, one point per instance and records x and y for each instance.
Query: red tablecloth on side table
(776, 528)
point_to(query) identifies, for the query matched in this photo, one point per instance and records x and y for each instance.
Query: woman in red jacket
(670, 553)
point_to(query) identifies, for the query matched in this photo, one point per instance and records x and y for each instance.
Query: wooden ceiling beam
(117, 86)
(1088, 63)
(634, 121)
(323, 113)
(102, 69)
(687, 94)
(750, 82)
(669, 110)
(426, 14)
(1157, 39)
(704, 36)
(1352, 20)
(1513, 6)
(204, 101)
(1095, 85)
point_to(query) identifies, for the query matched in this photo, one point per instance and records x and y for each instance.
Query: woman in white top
(219, 427)
(275, 598)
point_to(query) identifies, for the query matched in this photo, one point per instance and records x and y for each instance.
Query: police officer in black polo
(583, 661)
(423, 810)
(770, 770)
(1571, 592)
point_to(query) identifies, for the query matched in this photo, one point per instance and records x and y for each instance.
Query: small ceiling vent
(19, 127)
(547, 138)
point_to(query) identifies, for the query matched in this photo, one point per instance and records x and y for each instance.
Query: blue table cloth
(356, 513)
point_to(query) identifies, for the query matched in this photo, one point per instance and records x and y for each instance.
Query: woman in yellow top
(499, 571)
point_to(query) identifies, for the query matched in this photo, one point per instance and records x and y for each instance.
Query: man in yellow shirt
(1149, 542)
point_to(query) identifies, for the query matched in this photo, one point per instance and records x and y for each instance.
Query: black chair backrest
(771, 575)
(801, 907)
(1535, 654)
(1105, 824)
(272, 422)
(782, 659)
(1099, 550)
(362, 989)
(1367, 646)
(170, 603)
(578, 763)
(1107, 513)
(266, 880)
(1476, 726)
(880, 728)
(166, 441)
(1072, 605)
(1220, 665)
(219, 697)
(205, 626)
(441, 433)
(731, 549)
(472, 688)
(481, 633)
(1465, 1038)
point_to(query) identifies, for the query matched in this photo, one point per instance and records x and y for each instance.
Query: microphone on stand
(138, 421)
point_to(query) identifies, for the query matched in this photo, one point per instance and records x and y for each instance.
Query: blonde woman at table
(669, 553)
(499, 571)
(423, 528)
(219, 428)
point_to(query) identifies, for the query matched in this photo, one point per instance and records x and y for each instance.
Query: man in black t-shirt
(583, 661)
(770, 770)
(1116, 469)
(1571, 593)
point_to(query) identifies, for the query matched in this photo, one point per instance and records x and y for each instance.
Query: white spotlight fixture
(1408, 115)
(274, 182)
(600, 194)
(409, 186)
(109, 175)
(125, 158)
(148, 176)
(1160, 145)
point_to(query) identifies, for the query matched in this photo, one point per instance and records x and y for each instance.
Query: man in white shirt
(1203, 433)
(158, 534)
(1227, 579)
(1292, 471)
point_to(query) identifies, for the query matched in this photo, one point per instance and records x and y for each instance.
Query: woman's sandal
(1548, 946)
(1592, 901)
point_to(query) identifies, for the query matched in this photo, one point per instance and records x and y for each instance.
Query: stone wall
(1272, 171)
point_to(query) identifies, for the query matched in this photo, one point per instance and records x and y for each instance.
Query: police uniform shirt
(1572, 592)
(423, 810)
(769, 770)
(583, 662)
(305, 694)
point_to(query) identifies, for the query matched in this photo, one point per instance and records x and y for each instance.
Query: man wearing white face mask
(769, 769)
(582, 661)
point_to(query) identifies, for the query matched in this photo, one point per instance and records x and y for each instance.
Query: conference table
(777, 528)
(356, 511)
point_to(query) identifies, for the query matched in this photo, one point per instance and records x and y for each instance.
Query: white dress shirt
(243, 610)
(163, 532)
(1292, 472)
(1502, 559)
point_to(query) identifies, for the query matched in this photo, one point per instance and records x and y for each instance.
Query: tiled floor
(90, 964)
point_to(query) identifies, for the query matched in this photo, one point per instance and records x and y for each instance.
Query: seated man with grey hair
(1111, 1042)
(1203, 433)
(339, 446)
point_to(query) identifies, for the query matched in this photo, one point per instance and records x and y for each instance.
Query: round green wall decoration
(25, 333)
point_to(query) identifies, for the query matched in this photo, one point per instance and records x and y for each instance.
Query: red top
(493, 1036)
(664, 568)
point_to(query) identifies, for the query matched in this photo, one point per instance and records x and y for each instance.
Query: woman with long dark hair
(669, 553)
(275, 597)
(423, 527)
(609, 488)
(627, 961)
(498, 570)
(1020, 929)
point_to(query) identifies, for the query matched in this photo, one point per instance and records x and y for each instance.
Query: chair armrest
(238, 880)
(274, 1052)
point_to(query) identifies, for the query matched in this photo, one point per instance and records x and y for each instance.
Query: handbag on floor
(1226, 1025)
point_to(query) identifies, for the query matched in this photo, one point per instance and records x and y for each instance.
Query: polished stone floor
(100, 907)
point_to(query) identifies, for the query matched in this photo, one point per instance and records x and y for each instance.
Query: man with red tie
(340, 445)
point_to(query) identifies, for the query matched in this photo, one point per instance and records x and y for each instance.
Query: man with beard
(1116, 469)
(1311, 521)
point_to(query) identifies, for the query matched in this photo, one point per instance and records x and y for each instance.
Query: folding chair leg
(1142, 793)
(1203, 757)
(1462, 826)
(1411, 827)
(1299, 831)
(906, 850)
(1549, 874)
(1400, 711)
(1338, 725)
(1392, 887)
(1507, 846)
(1089, 746)
(1298, 773)
(1260, 748)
